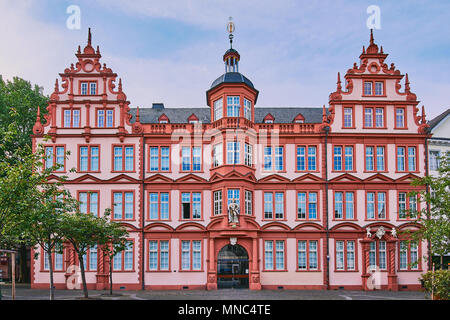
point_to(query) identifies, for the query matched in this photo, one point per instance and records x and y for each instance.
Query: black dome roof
(232, 77)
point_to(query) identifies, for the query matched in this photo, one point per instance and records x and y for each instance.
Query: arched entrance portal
(232, 267)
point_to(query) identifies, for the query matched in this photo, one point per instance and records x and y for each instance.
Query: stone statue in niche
(233, 212)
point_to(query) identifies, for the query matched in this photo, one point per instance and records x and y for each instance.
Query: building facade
(234, 195)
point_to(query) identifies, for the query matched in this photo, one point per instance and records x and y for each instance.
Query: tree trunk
(83, 277)
(50, 266)
(110, 276)
(442, 262)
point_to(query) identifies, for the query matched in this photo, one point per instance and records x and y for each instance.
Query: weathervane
(230, 29)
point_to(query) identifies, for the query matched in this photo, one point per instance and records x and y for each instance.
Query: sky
(170, 51)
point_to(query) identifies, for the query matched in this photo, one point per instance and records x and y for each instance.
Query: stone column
(254, 279)
(212, 273)
(392, 275)
(365, 264)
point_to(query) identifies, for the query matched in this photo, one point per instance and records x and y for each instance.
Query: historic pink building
(235, 195)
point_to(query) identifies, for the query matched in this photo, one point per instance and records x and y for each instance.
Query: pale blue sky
(171, 51)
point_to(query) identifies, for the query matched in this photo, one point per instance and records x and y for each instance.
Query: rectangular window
(191, 251)
(122, 163)
(186, 159)
(273, 158)
(84, 88)
(247, 109)
(368, 117)
(88, 202)
(370, 205)
(218, 109)
(159, 157)
(191, 205)
(268, 158)
(88, 88)
(402, 205)
(306, 158)
(123, 207)
(154, 159)
(165, 158)
(367, 88)
(270, 206)
(379, 117)
(217, 202)
(344, 205)
(348, 117)
(373, 254)
(89, 158)
(378, 88)
(376, 200)
(345, 255)
(51, 161)
(274, 260)
(307, 205)
(196, 158)
(301, 205)
(248, 155)
(101, 113)
(233, 155)
(248, 202)
(312, 158)
(375, 162)
(381, 205)
(59, 259)
(159, 205)
(279, 151)
(233, 106)
(93, 258)
(434, 160)
(337, 158)
(158, 256)
(380, 158)
(403, 255)
(217, 155)
(123, 261)
(301, 158)
(411, 158)
(400, 117)
(93, 88)
(348, 161)
(382, 254)
(400, 158)
(71, 118)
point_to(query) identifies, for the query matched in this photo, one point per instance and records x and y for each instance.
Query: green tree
(434, 218)
(22, 98)
(84, 231)
(116, 241)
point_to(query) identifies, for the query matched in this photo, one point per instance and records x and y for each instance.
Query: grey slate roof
(434, 122)
(232, 77)
(180, 115)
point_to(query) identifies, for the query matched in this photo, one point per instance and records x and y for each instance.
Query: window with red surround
(123, 158)
(345, 255)
(57, 260)
(344, 205)
(409, 256)
(377, 205)
(124, 260)
(274, 255)
(308, 255)
(343, 158)
(90, 259)
(159, 205)
(400, 118)
(158, 255)
(191, 206)
(88, 88)
(89, 201)
(378, 254)
(191, 258)
(191, 159)
(406, 205)
(71, 117)
(55, 155)
(104, 118)
(274, 205)
(348, 117)
(374, 117)
(273, 159)
(375, 159)
(159, 159)
(307, 205)
(123, 205)
(306, 158)
(374, 88)
(88, 158)
(407, 158)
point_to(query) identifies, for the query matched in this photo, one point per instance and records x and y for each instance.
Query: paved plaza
(23, 292)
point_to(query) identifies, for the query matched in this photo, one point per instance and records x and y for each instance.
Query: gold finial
(230, 29)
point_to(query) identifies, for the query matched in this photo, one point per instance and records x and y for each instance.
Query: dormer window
(299, 118)
(233, 106)
(163, 119)
(88, 88)
(268, 118)
(193, 119)
(247, 109)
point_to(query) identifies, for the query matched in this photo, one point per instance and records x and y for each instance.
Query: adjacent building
(236, 195)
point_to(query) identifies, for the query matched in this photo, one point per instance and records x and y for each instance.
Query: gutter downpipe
(143, 213)
(427, 186)
(327, 129)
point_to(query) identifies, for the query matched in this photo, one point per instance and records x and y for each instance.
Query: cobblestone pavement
(23, 292)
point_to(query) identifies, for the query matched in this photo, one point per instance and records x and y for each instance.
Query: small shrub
(440, 284)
